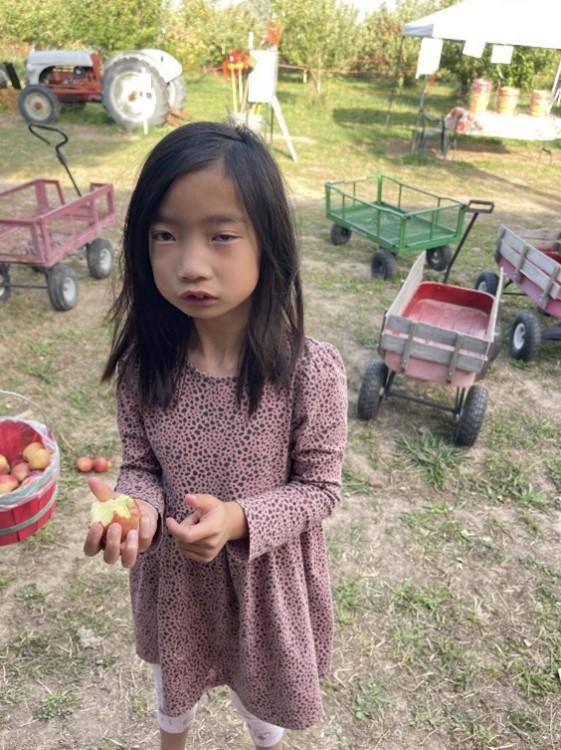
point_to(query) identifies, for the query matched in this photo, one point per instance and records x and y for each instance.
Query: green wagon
(397, 217)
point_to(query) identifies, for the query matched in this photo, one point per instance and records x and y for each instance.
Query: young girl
(233, 426)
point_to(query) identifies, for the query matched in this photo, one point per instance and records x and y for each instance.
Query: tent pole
(397, 87)
(556, 90)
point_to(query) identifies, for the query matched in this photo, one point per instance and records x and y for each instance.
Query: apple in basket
(31, 478)
(120, 509)
(4, 465)
(30, 449)
(21, 470)
(7, 483)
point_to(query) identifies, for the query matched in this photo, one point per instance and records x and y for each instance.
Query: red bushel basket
(24, 510)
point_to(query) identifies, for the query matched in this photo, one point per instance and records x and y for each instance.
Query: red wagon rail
(38, 227)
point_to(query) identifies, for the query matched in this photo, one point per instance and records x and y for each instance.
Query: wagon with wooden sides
(440, 333)
(40, 228)
(398, 218)
(532, 263)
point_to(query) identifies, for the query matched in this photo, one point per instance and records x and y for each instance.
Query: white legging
(262, 733)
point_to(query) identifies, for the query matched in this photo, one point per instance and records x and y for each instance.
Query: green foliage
(107, 26)
(320, 35)
(529, 68)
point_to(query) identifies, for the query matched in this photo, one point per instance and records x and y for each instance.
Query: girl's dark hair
(155, 335)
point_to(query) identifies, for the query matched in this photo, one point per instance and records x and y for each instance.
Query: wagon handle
(32, 127)
(480, 207)
(475, 207)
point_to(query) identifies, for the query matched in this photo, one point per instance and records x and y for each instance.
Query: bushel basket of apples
(29, 467)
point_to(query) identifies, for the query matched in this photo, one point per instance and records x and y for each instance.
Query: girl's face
(203, 249)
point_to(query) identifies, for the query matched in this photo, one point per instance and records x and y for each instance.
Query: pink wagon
(39, 228)
(533, 264)
(440, 333)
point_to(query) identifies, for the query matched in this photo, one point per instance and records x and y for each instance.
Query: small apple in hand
(121, 509)
(84, 464)
(101, 465)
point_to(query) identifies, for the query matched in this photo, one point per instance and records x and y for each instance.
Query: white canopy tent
(529, 23)
(511, 23)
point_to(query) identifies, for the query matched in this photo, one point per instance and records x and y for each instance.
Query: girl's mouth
(198, 298)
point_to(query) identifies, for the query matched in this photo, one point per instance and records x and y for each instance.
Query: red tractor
(135, 87)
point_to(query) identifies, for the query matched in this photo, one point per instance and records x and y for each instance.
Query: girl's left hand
(204, 532)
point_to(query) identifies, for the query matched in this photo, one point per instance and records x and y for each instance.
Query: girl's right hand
(135, 541)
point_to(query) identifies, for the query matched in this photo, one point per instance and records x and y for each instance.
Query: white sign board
(262, 80)
(473, 47)
(429, 57)
(501, 53)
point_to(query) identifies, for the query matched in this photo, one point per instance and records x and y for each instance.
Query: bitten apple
(101, 464)
(21, 470)
(84, 464)
(121, 509)
(7, 483)
(4, 465)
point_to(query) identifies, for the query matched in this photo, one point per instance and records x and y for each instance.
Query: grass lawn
(445, 562)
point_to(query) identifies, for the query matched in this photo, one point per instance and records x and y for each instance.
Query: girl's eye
(161, 236)
(224, 237)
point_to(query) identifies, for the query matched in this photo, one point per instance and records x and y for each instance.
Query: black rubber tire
(339, 235)
(471, 416)
(99, 255)
(382, 265)
(525, 337)
(372, 389)
(38, 105)
(177, 92)
(62, 286)
(123, 110)
(5, 287)
(438, 258)
(488, 281)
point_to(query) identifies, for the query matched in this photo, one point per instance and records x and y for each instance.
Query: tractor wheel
(99, 255)
(5, 287)
(339, 235)
(471, 416)
(62, 286)
(38, 105)
(124, 94)
(177, 92)
(525, 337)
(438, 258)
(372, 389)
(487, 282)
(382, 265)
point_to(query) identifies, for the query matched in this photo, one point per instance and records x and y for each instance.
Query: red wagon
(533, 264)
(440, 333)
(39, 228)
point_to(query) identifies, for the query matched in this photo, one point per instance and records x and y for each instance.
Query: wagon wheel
(5, 287)
(372, 389)
(438, 258)
(99, 255)
(39, 105)
(471, 416)
(382, 265)
(487, 282)
(339, 235)
(62, 286)
(525, 337)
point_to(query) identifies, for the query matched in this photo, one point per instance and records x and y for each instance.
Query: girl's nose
(194, 260)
